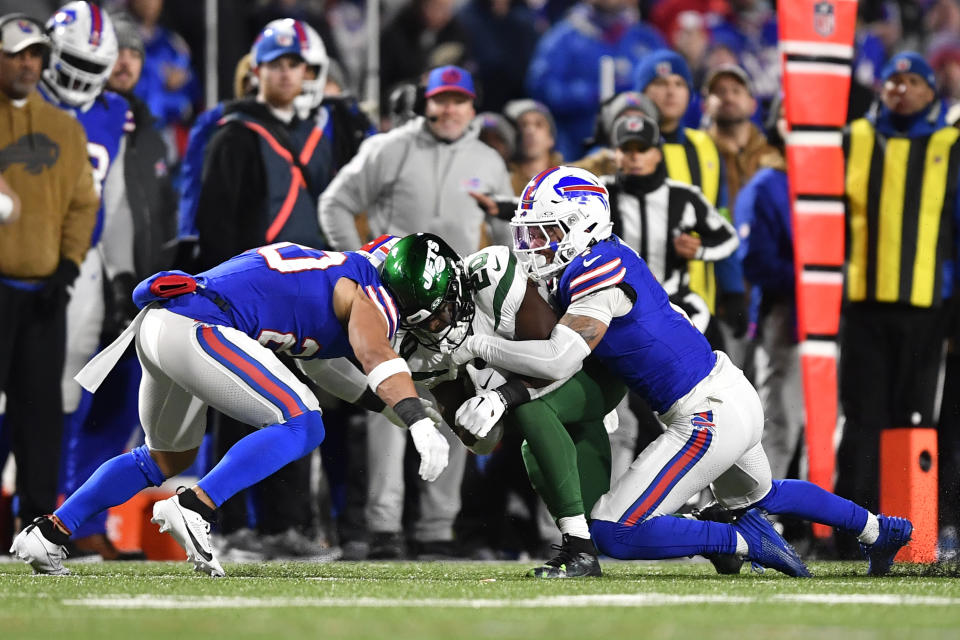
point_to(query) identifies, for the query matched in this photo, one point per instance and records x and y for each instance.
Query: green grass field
(473, 600)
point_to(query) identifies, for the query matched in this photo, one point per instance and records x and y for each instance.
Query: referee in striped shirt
(658, 216)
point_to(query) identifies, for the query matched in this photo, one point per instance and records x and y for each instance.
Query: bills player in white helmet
(83, 51)
(318, 64)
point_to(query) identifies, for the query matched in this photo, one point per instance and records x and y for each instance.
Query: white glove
(478, 414)
(485, 378)
(611, 422)
(428, 406)
(432, 447)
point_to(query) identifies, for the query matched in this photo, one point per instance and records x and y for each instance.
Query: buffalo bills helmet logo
(576, 188)
(65, 17)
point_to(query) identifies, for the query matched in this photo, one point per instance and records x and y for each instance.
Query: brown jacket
(43, 157)
(740, 164)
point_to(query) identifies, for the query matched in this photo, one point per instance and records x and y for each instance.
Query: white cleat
(44, 556)
(190, 531)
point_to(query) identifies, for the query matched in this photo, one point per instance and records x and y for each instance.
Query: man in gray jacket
(418, 177)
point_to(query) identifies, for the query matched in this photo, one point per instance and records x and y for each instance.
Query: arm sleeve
(353, 191)
(116, 246)
(558, 357)
(81, 215)
(716, 233)
(604, 305)
(338, 376)
(232, 190)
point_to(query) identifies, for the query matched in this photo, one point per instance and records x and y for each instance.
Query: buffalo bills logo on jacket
(36, 151)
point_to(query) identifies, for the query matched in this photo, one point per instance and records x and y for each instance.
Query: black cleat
(577, 558)
(725, 563)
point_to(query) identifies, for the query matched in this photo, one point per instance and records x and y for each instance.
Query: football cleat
(894, 534)
(34, 547)
(190, 531)
(767, 548)
(724, 563)
(577, 558)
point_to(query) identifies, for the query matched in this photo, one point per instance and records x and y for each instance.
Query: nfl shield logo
(824, 20)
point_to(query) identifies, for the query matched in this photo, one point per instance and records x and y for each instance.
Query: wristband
(513, 393)
(410, 411)
(384, 370)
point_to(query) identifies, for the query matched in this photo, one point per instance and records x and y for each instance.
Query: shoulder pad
(600, 267)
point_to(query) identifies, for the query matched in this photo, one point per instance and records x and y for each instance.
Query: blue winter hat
(660, 64)
(909, 62)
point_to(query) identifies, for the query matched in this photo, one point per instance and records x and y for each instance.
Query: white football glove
(485, 378)
(478, 414)
(428, 406)
(432, 447)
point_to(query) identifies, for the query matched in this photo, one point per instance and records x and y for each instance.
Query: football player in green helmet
(441, 299)
(430, 287)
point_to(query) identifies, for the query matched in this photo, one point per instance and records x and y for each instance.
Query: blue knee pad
(148, 467)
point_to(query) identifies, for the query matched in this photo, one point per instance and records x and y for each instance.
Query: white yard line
(149, 601)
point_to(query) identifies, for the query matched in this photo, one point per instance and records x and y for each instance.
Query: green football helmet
(428, 282)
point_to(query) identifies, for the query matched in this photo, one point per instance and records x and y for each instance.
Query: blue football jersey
(282, 296)
(654, 348)
(105, 122)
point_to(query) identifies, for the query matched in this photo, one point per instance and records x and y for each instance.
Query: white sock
(575, 526)
(743, 549)
(871, 531)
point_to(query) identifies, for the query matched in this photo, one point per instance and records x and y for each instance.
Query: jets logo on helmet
(563, 211)
(427, 280)
(83, 52)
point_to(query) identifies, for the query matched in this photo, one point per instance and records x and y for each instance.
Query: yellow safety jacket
(696, 161)
(901, 194)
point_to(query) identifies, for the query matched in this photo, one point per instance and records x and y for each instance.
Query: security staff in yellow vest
(692, 157)
(902, 207)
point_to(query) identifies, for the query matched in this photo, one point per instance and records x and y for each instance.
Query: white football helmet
(564, 209)
(83, 52)
(316, 57)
